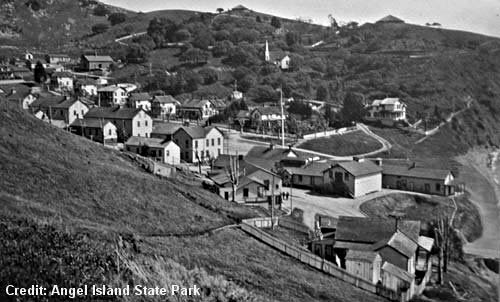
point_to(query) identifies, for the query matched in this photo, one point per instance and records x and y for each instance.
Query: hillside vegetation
(74, 213)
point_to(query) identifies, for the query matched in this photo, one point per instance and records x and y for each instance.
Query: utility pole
(282, 119)
(272, 204)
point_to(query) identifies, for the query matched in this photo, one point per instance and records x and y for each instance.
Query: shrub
(99, 28)
(117, 18)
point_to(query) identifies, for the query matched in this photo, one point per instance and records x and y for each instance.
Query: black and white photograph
(250, 150)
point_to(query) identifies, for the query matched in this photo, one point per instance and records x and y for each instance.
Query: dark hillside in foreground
(75, 213)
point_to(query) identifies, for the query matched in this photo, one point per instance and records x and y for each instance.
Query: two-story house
(61, 111)
(62, 81)
(164, 106)
(197, 109)
(387, 111)
(112, 96)
(140, 100)
(266, 115)
(198, 143)
(128, 121)
(93, 62)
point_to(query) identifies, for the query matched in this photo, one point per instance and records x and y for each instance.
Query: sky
(480, 16)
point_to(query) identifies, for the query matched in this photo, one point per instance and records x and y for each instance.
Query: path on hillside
(119, 40)
(445, 122)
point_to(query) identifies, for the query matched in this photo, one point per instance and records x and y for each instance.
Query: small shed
(364, 264)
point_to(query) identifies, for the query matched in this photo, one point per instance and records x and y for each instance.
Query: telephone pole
(282, 119)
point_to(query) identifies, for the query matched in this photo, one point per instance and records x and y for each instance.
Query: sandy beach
(481, 173)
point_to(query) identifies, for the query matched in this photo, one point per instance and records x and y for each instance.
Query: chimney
(289, 147)
(271, 146)
(12, 91)
(412, 166)
(378, 162)
(358, 159)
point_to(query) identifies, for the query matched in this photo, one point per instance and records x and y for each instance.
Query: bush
(101, 10)
(99, 28)
(117, 18)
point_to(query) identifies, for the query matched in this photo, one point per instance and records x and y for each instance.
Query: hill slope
(80, 213)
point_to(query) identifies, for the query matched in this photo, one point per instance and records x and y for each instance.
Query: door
(226, 195)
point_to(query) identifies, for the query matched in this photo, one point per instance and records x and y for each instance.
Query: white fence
(331, 132)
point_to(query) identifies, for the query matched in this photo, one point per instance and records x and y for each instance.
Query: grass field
(351, 143)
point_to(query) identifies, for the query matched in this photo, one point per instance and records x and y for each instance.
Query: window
(277, 186)
(245, 192)
(138, 123)
(208, 143)
(330, 174)
(346, 176)
(266, 184)
(300, 178)
(146, 123)
(218, 152)
(196, 144)
(260, 191)
(218, 141)
(187, 144)
(207, 153)
(438, 187)
(109, 132)
(168, 152)
(74, 112)
(83, 113)
(213, 142)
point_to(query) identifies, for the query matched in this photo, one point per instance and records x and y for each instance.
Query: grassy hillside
(74, 213)
(341, 145)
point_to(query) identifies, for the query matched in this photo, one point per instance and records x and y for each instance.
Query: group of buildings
(353, 178)
(392, 254)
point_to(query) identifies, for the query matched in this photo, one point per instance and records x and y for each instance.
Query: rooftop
(386, 101)
(396, 271)
(400, 242)
(92, 58)
(147, 141)
(165, 99)
(360, 168)
(416, 172)
(112, 113)
(367, 256)
(139, 96)
(89, 123)
(197, 131)
(372, 230)
(166, 128)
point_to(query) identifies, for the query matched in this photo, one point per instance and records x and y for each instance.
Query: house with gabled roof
(99, 130)
(254, 184)
(94, 62)
(112, 95)
(358, 177)
(128, 121)
(140, 100)
(309, 175)
(387, 111)
(62, 81)
(20, 94)
(197, 109)
(164, 106)
(165, 151)
(61, 111)
(199, 144)
(420, 179)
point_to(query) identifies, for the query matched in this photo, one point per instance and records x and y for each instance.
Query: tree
(353, 109)
(40, 74)
(99, 28)
(101, 10)
(322, 93)
(292, 38)
(117, 18)
(219, 10)
(209, 75)
(203, 39)
(182, 35)
(258, 19)
(136, 54)
(194, 55)
(275, 22)
(300, 108)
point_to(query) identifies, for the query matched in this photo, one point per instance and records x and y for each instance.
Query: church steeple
(267, 56)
